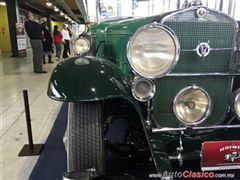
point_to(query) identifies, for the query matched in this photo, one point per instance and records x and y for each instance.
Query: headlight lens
(82, 45)
(143, 89)
(192, 105)
(153, 51)
(237, 104)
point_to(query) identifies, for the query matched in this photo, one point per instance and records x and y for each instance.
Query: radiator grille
(220, 31)
(219, 36)
(168, 87)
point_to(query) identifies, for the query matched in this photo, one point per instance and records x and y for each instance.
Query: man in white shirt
(66, 38)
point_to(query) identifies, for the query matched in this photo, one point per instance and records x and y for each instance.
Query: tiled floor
(16, 75)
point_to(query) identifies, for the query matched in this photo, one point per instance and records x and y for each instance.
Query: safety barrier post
(29, 149)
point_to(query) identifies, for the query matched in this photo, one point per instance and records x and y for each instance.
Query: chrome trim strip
(237, 96)
(186, 155)
(196, 7)
(156, 130)
(212, 49)
(69, 159)
(220, 168)
(202, 74)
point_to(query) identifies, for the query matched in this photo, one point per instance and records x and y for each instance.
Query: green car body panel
(97, 79)
(75, 82)
(115, 36)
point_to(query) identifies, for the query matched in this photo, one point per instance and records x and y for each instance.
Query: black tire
(85, 137)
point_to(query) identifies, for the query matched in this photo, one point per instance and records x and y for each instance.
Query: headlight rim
(136, 80)
(172, 35)
(236, 96)
(88, 42)
(208, 112)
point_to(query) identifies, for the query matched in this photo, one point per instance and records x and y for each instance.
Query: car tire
(85, 144)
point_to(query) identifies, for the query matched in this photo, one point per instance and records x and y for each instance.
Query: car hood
(122, 25)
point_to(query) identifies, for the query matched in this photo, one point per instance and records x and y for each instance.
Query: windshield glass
(108, 9)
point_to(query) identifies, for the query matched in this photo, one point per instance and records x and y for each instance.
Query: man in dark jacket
(34, 31)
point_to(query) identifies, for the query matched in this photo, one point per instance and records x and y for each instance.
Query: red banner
(220, 155)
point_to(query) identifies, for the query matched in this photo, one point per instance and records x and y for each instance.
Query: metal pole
(234, 9)
(216, 4)
(97, 11)
(178, 4)
(29, 149)
(230, 7)
(221, 5)
(118, 8)
(28, 119)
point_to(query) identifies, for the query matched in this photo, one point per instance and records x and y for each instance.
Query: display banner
(21, 40)
(220, 155)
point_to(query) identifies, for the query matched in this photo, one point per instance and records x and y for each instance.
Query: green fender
(87, 79)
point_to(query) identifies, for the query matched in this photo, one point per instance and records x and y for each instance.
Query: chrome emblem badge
(201, 12)
(203, 49)
(81, 61)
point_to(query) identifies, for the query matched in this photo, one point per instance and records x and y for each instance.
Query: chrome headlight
(143, 89)
(192, 105)
(82, 45)
(237, 103)
(153, 51)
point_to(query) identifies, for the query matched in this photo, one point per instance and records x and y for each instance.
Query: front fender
(87, 79)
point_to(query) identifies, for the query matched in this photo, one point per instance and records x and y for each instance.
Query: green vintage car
(174, 76)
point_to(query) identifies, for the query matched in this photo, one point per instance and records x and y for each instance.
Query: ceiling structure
(74, 9)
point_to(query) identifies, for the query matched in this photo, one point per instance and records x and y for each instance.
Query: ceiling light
(61, 13)
(2, 3)
(56, 9)
(48, 3)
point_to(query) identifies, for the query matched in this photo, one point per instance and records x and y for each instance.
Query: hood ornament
(81, 61)
(201, 12)
(193, 3)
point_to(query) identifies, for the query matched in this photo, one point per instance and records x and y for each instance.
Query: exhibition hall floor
(17, 75)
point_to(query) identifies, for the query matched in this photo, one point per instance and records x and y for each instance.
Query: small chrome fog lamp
(192, 105)
(237, 103)
(143, 89)
(82, 45)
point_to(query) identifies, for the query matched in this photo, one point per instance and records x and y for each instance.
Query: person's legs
(37, 48)
(49, 57)
(69, 47)
(57, 50)
(34, 50)
(44, 60)
(65, 50)
(60, 50)
(39, 54)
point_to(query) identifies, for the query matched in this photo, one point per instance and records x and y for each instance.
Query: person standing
(47, 45)
(66, 39)
(34, 31)
(70, 42)
(57, 36)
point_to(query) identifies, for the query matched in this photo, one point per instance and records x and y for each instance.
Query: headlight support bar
(166, 129)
